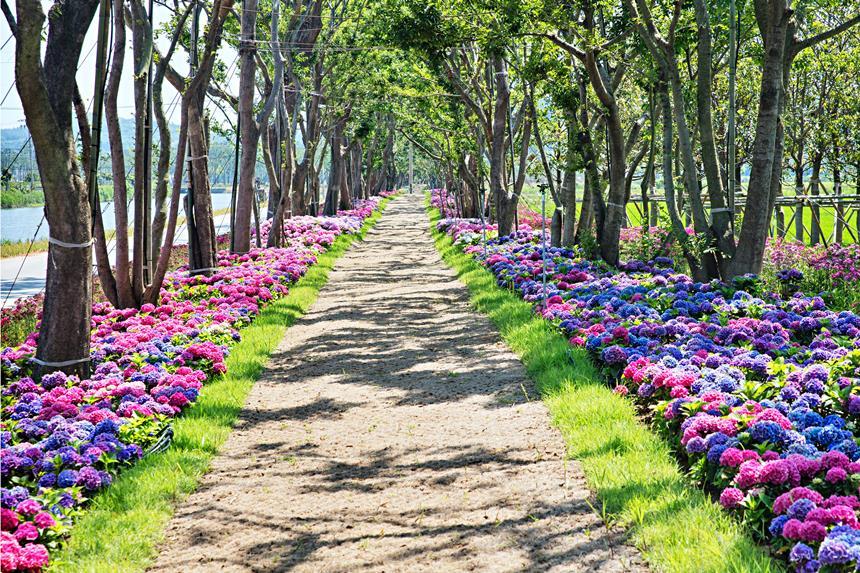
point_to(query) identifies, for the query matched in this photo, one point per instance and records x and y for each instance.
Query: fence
(810, 219)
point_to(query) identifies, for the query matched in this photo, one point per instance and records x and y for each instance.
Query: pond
(20, 224)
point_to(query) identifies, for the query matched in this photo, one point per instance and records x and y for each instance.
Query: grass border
(676, 526)
(120, 529)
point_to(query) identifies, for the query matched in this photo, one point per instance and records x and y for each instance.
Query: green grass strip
(638, 483)
(119, 530)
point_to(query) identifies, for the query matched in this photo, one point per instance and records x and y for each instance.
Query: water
(20, 224)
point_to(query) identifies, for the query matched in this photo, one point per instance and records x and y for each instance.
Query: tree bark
(721, 219)
(249, 131)
(138, 19)
(815, 231)
(46, 94)
(162, 178)
(505, 205)
(749, 254)
(104, 271)
(125, 293)
(204, 227)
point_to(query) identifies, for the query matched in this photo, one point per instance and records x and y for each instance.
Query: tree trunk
(104, 270)
(749, 254)
(335, 170)
(815, 231)
(162, 178)
(839, 223)
(593, 183)
(125, 293)
(345, 201)
(505, 207)
(249, 131)
(721, 218)
(615, 206)
(678, 229)
(357, 153)
(799, 191)
(46, 94)
(204, 224)
(142, 51)
(274, 194)
(298, 187)
(203, 228)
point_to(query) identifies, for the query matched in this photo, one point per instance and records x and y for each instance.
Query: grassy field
(19, 194)
(120, 529)
(827, 217)
(638, 484)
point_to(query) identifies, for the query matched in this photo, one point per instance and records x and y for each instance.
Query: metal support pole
(542, 187)
(410, 167)
(483, 224)
(732, 129)
(190, 223)
(146, 234)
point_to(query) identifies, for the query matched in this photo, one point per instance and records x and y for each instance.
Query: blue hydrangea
(776, 525)
(67, 478)
(768, 432)
(833, 552)
(800, 553)
(800, 508)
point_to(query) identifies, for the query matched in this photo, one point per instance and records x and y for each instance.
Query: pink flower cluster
(63, 438)
(21, 525)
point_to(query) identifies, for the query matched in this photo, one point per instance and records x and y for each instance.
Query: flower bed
(759, 394)
(64, 438)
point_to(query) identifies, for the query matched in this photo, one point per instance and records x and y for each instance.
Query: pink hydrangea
(26, 532)
(731, 497)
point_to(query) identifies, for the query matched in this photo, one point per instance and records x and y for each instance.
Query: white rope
(196, 158)
(722, 210)
(616, 205)
(208, 269)
(60, 243)
(59, 364)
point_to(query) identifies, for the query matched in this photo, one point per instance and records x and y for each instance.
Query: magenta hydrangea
(148, 365)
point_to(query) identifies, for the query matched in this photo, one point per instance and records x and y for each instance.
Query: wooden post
(798, 217)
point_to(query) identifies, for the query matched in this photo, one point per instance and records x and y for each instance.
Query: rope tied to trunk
(60, 243)
(60, 364)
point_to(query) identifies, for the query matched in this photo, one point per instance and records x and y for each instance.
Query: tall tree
(46, 88)
(250, 125)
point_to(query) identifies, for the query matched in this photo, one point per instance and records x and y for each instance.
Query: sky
(12, 114)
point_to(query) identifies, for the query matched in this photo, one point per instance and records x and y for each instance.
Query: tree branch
(798, 47)
(576, 52)
(10, 18)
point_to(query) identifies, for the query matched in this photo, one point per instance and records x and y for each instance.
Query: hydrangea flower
(148, 365)
(761, 392)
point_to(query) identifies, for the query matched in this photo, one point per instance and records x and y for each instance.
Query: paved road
(30, 271)
(393, 431)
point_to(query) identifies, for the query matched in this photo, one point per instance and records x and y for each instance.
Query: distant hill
(13, 140)
(15, 137)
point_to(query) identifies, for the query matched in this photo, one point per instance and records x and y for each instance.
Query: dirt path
(392, 432)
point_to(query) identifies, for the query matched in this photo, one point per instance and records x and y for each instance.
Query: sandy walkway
(392, 432)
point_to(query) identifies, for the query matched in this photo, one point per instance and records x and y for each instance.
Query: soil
(393, 431)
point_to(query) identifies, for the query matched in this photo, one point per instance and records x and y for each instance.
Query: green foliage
(21, 195)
